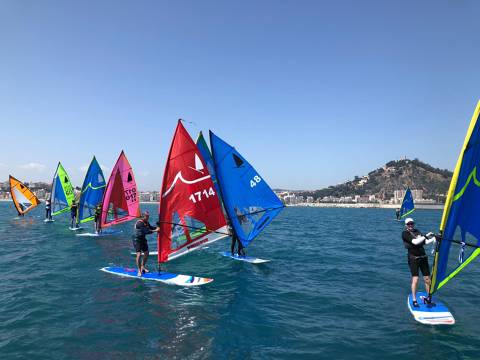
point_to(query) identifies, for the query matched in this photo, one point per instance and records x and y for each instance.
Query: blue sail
(407, 204)
(92, 192)
(460, 224)
(248, 200)
(207, 156)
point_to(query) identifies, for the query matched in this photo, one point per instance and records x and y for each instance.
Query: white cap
(408, 220)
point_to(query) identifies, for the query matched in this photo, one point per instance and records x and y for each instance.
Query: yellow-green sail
(462, 210)
(62, 193)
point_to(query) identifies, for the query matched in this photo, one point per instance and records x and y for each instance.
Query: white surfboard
(437, 314)
(163, 277)
(75, 228)
(249, 259)
(101, 234)
(48, 220)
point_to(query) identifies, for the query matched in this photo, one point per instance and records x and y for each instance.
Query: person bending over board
(73, 214)
(48, 210)
(141, 229)
(417, 258)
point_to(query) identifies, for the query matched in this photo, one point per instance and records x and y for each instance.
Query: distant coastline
(367, 205)
(334, 205)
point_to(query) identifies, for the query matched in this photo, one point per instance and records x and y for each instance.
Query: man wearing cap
(141, 229)
(413, 241)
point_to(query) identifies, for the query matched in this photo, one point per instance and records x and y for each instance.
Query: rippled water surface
(336, 288)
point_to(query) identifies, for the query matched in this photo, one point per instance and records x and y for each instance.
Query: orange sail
(23, 198)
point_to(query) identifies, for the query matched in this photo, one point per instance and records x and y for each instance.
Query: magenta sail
(120, 201)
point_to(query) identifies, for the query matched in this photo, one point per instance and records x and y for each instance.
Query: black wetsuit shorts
(418, 262)
(140, 245)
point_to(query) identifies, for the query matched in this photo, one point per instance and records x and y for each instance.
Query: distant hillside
(395, 175)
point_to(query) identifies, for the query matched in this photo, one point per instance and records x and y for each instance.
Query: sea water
(336, 288)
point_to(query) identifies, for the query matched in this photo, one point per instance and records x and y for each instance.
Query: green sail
(62, 193)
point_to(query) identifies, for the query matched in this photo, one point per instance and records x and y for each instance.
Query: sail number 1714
(200, 195)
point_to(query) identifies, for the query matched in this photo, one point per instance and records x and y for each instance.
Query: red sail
(190, 212)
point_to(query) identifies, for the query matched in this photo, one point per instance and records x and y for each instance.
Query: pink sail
(120, 201)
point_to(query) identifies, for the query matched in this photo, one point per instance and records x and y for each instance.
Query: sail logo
(179, 177)
(255, 180)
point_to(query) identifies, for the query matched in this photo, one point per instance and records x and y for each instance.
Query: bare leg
(414, 287)
(139, 263)
(427, 281)
(145, 258)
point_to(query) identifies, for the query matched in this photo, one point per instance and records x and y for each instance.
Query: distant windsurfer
(397, 212)
(413, 241)
(22, 208)
(141, 229)
(73, 214)
(97, 218)
(48, 210)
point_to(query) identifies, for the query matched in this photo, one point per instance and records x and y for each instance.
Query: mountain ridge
(394, 175)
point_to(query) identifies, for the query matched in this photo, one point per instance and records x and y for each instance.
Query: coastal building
(40, 193)
(144, 196)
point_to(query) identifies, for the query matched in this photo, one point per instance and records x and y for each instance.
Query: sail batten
(23, 198)
(248, 200)
(461, 210)
(190, 214)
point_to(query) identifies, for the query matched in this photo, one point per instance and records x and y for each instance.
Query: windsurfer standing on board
(397, 212)
(48, 210)
(241, 250)
(141, 229)
(417, 258)
(73, 214)
(98, 214)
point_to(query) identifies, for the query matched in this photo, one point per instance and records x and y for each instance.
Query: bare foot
(139, 273)
(145, 270)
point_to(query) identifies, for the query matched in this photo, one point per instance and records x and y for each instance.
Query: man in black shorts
(141, 229)
(417, 258)
(97, 218)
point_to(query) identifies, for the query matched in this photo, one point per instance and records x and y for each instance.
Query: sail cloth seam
(473, 175)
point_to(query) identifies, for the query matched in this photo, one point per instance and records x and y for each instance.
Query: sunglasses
(411, 223)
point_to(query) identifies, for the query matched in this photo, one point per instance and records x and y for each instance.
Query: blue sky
(312, 93)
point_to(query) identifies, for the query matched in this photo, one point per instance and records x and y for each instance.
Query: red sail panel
(190, 212)
(120, 201)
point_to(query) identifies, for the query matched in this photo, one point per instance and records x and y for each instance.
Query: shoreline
(367, 205)
(333, 205)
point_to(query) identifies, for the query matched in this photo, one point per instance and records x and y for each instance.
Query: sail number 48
(200, 195)
(256, 179)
